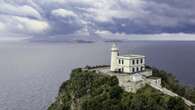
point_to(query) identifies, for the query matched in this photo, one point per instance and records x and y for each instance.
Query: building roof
(131, 56)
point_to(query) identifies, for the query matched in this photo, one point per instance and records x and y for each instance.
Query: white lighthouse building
(126, 63)
(114, 55)
(135, 76)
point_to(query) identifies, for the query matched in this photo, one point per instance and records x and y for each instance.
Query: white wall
(128, 64)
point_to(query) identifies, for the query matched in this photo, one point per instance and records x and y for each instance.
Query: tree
(176, 103)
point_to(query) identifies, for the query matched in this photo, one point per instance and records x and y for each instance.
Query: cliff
(88, 90)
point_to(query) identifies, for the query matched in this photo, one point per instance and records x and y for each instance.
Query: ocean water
(31, 73)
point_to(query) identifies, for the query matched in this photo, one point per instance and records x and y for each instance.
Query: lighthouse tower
(114, 54)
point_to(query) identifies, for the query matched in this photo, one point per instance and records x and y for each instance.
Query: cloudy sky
(128, 19)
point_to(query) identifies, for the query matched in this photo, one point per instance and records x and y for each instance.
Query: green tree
(176, 103)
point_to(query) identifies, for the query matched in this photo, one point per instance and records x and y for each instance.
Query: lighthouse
(114, 55)
(130, 63)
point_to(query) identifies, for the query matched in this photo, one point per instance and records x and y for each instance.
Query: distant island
(89, 90)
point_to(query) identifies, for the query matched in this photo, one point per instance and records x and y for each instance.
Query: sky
(93, 19)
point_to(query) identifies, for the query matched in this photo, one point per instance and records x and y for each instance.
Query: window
(133, 70)
(120, 61)
(137, 61)
(119, 70)
(137, 68)
(141, 61)
(133, 62)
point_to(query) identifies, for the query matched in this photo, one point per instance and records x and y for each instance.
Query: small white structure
(156, 81)
(126, 63)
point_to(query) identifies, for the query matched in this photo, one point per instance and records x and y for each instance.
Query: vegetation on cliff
(170, 82)
(88, 90)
